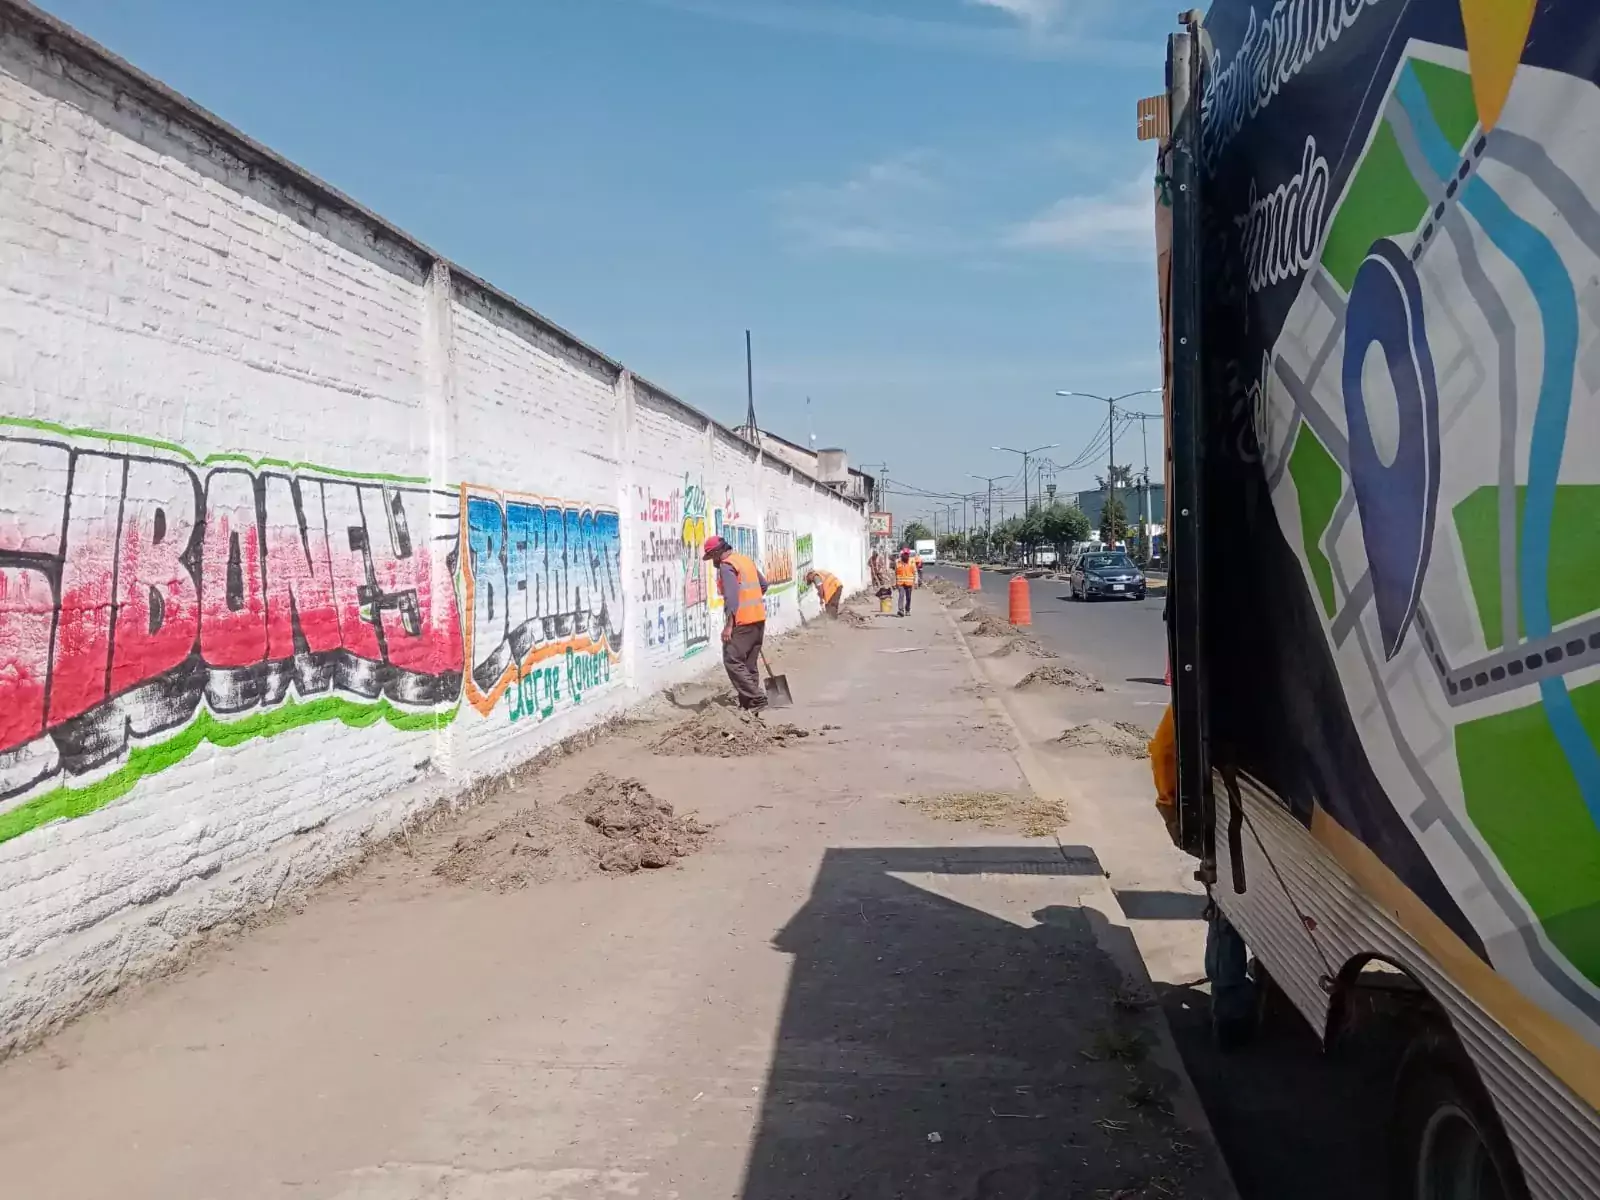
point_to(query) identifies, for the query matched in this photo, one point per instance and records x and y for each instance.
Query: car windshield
(1107, 562)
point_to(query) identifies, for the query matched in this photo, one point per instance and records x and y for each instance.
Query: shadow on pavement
(1161, 906)
(1292, 1121)
(930, 1049)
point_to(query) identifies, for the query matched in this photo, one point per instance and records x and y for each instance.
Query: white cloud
(889, 206)
(1028, 38)
(1033, 14)
(1118, 223)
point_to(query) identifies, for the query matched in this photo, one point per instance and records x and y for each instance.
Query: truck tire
(1446, 1141)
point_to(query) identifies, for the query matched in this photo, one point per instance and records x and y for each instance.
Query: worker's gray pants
(1233, 997)
(741, 655)
(904, 591)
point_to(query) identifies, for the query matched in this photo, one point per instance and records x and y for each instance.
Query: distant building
(830, 467)
(1093, 504)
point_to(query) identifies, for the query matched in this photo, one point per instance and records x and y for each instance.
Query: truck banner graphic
(1401, 213)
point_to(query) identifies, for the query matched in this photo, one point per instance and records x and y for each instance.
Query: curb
(1115, 936)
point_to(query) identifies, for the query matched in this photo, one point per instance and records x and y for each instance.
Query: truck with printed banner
(1378, 252)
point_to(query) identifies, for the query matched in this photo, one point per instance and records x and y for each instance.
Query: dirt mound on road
(854, 619)
(611, 825)
(1024, 645)
(1032, 816)
(1117, 738)
(1060, 676)
(639, 830)
(992, 627)
(726, 733)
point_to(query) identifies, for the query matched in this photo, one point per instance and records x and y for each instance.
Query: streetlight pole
(1026, 454)
(1111, 424)
(988, 508)
(1144, 420)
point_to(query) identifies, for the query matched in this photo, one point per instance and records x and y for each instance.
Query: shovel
(778, 695)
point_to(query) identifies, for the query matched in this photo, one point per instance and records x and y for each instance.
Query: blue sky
(931, 213)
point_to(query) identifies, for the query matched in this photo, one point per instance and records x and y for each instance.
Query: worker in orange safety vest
(905, 579)
(744, 621)
(829, 590)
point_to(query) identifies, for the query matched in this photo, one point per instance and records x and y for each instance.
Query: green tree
(1007, 535)
(954, 545)
(1114, 514)
(1061, 525)
(1113, 521)
(915, 532)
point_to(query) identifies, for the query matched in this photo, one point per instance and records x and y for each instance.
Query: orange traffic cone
(974, 580)
(1021, 612)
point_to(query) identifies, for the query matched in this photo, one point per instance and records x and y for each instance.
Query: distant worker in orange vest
(905, 578)
(744, 620)
(829, 590)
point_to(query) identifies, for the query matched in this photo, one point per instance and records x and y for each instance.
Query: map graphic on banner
(1418, 391)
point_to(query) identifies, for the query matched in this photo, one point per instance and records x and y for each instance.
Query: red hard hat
(713, 544)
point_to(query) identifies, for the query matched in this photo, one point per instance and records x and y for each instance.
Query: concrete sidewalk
(1110, 797)
(837, 997)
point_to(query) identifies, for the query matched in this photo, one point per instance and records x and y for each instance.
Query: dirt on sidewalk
(720, 732)
(835, 993)
(611, 825)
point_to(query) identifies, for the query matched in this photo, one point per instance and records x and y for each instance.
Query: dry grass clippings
(1029, 814)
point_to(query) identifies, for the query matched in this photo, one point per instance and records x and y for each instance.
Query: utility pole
(988, 508)
(1026, 454)
(1111, 462)
(1144, 420)
(750, 394)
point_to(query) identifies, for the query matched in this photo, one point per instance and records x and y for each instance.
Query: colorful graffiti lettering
(137, 582)
(803, 559)
(778, 561)
(540, 578)
(696, 576)
(662, 564)
(742, 538)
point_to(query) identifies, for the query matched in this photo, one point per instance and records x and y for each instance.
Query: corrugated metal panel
(1155, 120)
(1556, 1134)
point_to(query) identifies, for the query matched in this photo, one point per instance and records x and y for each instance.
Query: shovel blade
(778, 695)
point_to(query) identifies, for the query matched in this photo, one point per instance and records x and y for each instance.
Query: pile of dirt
(992, 627)
(1056, 675)
(639, 830)
(1024, 645)
(611, 825)
(725, 733)
(1121, 739)
(855, 619)
(1029, 814)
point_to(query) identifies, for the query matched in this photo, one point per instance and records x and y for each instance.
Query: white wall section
(301, 528)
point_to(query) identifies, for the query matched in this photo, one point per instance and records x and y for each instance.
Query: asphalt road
(1291, 1121)
(1124, 642)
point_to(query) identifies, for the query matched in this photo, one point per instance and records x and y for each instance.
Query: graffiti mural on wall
(662, 566)
(152, 601)
(803, 559)
(696, 588)
(542, 590)
(138, 582)
(777, 562)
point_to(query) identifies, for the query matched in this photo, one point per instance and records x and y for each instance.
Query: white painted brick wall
(162, 281)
